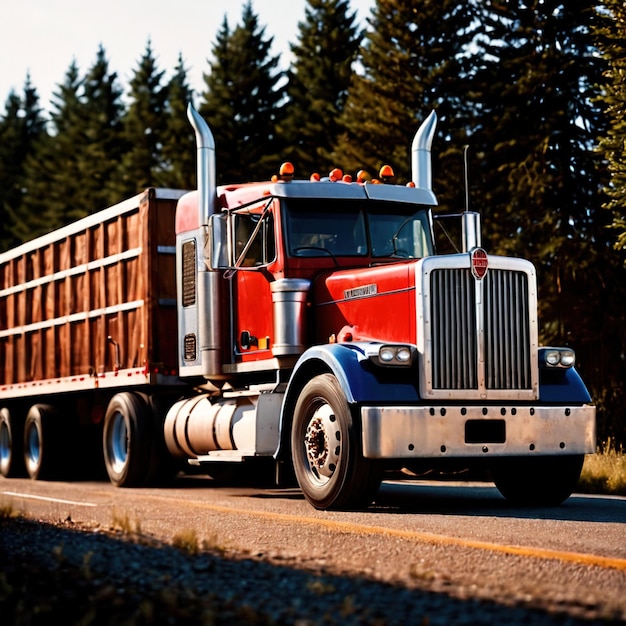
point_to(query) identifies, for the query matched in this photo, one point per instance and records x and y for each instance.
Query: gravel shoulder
(101, 576)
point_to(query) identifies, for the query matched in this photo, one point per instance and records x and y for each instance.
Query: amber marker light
(286, 171)
(386, 173)
(335, 175)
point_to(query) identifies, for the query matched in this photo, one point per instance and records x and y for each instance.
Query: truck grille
(495, 324)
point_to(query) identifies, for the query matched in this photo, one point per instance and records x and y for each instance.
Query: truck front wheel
(127, 440)
(326, 449)
(539, 481)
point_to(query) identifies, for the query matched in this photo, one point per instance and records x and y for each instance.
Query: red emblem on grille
(479, 263)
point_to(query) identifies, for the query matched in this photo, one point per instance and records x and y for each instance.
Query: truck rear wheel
(539, 481)
(127, 440)
(326, 449)
(11, 446)
(44, 451)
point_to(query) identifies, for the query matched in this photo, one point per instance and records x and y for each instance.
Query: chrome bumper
(454, 431)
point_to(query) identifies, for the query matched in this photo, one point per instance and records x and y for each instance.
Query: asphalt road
(458, 539)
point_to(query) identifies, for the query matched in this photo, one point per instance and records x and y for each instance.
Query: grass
(122, 522)
(187, 541)
(7, 511)
(604, 472)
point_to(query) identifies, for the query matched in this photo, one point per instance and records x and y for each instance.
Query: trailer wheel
(326, 449)
(540, 481)
(44, 452)
(127, 440)
(11, 446)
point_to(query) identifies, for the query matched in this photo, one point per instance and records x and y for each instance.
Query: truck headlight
(557, 357)
(391, 355)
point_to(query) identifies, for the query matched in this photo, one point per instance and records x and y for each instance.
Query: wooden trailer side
(93, 298)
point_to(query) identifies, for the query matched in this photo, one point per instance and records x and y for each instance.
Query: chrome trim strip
(378, 294)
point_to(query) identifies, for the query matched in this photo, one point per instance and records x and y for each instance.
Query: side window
(255, 243)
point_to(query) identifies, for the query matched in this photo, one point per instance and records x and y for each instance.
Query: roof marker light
(386, 173)
(286, 171)
(335, 175)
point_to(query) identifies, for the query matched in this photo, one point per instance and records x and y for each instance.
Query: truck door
(254, 247)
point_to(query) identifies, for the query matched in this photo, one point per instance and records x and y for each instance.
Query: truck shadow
(476, 499)
(480, 499)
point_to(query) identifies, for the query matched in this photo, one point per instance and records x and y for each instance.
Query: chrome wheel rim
(322, 444)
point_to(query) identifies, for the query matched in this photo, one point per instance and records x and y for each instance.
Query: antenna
(466, 171)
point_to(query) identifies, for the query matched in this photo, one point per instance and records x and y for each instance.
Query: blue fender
(562, 386)
(360, 380)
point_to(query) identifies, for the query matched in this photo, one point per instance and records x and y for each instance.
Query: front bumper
(476, 431)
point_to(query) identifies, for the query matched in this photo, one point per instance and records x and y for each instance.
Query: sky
(43, 37)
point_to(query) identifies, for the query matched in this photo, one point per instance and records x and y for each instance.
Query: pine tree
(412, 63)
(611, 37)
(53, 173)
(535, 123)
(11, 168)
(610, 388)
(242, 101)
(102, 111)
(144, 127)
(178, 154)
(318, 83)
(22, 128)
(70, 175)
(218, 104)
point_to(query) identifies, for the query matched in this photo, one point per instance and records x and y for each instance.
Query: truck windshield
(353, 228)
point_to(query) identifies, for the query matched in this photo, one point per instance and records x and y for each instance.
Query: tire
(11, 446)
(126, 440)
(44, 449)
(540, 481)
(326, 449)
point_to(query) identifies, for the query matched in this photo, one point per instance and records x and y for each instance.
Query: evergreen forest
(535, 89)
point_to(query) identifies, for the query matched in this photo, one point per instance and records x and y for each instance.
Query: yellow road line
(365, 529)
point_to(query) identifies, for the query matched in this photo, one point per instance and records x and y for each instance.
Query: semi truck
(309, 326)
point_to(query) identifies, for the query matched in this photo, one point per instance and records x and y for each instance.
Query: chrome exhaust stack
(205, 166)
(198, 286)
(421, 163)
